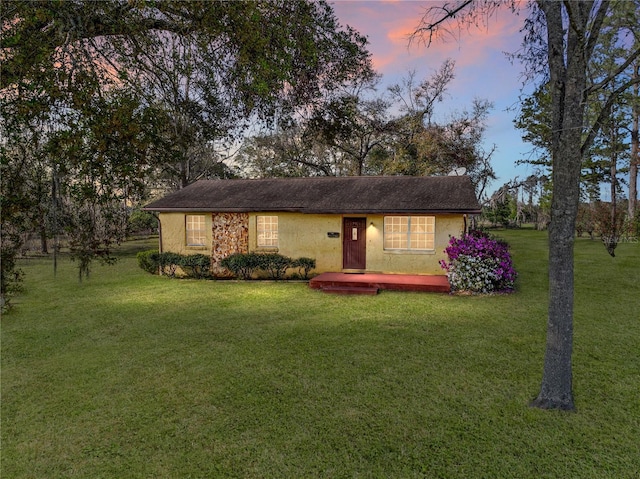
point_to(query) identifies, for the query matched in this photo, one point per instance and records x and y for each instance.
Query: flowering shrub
(479, 264)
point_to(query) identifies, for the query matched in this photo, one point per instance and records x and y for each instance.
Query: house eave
(317, 211)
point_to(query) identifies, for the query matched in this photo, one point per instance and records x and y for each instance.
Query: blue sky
(482, 67)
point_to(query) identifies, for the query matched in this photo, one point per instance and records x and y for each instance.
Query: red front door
(354, 243)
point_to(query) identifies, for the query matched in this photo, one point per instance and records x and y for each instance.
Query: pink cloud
(482, 69)
(388, 25)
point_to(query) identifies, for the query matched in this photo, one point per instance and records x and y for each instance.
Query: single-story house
(384, 224)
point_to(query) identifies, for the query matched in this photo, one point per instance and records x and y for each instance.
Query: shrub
(169, 263)
(275, 265)
(479, 263)
(196, 265)
(304, 265)
(609, 225)
(148, 260)
(193, 266)
(242, 265)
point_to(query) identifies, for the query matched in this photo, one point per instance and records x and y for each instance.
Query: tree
(257, 53)
(353, 133)
(285, 153)
(121, 90)
(560, 42)
(354, 127)
(534, 119)
(423, 146)
(634, 160)
(534, 116)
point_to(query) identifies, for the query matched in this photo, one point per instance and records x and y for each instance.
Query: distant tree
(339, 135)
(417, 101)
(437, 148)
(609, 54)
(284, 153)
(534, 121)
(354, 133)
(353, 127)
(500, 210)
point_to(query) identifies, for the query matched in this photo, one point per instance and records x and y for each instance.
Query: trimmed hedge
(245, 265)
(275, 264)
(196, 265)
(304, 265)
(241, 265)
(193, 266)
(148, 260)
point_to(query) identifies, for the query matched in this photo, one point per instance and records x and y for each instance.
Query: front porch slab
(350, 283)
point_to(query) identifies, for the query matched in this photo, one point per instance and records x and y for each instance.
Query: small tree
(609, 223)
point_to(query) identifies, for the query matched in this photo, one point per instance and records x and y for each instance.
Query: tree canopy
(103, 96)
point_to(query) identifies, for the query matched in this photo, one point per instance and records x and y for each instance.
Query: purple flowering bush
(479, 263)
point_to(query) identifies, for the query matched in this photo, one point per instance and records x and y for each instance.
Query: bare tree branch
(606, 111)
(598, 86)
(436, 16)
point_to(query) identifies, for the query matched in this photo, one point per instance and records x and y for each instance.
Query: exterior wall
(174, 234)
(379, 260)
(306, 235)
(227, 233)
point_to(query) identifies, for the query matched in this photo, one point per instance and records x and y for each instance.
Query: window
(409, 232)
(196, 233)
(267, 231)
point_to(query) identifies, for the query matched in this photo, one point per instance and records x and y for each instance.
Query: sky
(482, 67)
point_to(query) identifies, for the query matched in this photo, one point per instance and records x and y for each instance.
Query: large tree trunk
(567, 68)
(635, 149)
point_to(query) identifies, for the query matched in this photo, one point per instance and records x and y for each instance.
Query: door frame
(354, 256)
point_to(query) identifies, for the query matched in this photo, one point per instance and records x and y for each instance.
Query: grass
(130, 375)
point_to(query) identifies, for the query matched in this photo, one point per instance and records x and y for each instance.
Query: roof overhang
(412, 211)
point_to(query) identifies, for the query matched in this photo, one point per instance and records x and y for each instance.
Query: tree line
(609, 147)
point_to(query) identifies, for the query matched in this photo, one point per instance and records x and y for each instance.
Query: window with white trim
(413, 233)
(267, 231)
(196, 230)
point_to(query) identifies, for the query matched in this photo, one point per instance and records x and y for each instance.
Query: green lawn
(133, 375)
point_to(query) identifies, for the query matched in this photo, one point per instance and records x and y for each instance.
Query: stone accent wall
(230, 235)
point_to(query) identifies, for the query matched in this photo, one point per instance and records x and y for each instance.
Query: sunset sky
(482, 68)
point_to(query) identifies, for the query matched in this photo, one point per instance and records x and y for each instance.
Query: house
(383, 224)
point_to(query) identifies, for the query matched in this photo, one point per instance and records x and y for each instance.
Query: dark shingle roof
(353, 194)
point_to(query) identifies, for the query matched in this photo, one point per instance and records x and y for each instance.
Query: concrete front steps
(371, 283)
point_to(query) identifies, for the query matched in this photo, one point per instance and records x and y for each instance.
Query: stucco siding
(305, 235)
(174, 234)
(408, 262)
(308, 235)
